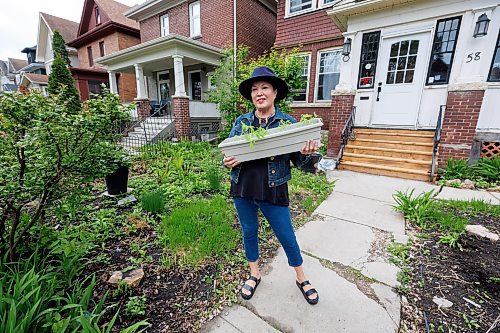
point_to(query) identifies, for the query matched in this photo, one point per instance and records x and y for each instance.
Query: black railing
(347, 133)
(437, 138)
(140, 133)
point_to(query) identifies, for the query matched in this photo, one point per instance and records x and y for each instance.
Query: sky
(19, 21)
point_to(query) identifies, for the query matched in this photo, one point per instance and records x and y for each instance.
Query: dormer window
(97, 16)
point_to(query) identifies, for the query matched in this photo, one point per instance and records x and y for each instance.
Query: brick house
(405, 60)
(305, 24)
(181, 42)
(103, 30)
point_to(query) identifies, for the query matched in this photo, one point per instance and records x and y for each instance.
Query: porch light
(346, 49)
(481, 26)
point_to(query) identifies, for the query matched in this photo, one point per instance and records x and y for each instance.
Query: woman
(262, 184)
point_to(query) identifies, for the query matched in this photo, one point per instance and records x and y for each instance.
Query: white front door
(399, 80)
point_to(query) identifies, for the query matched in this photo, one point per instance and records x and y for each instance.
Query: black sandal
(308, 293)
(249, 287)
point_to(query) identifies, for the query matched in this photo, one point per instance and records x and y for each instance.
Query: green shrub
(200, 229)
(457, 169)
(489, 169)
(153, 202)
(414, 208)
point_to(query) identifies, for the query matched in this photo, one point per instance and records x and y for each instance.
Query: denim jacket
(278, 166)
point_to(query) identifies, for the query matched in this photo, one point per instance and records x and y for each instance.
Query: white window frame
(158, 82)
(190, 91)
(164, 28)
(315, 5)
(318, 63)
(309, 55)
(193, 19)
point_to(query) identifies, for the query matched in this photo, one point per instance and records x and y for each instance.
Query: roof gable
(109, 11)
(67, 28)
(16, 64)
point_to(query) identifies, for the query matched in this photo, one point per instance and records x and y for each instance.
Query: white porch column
(139, 78)
(113, 87)
(180, 87)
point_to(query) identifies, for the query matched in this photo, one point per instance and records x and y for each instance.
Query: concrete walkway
(344, 250)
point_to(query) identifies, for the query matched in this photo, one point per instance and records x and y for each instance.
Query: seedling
(251, 134)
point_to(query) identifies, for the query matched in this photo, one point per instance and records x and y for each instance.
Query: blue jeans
(280, 220)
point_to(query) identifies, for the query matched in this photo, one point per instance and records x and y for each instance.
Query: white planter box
(277, 141)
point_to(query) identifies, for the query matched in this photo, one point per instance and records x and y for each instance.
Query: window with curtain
(194, 19)
(164, 25)
(494, 75)
(443, 50)
(302, 93)
(328, 73)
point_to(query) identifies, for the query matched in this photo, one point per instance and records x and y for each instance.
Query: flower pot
(116, 182)
(277, 141)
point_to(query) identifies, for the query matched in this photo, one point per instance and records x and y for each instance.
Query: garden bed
(443, 267)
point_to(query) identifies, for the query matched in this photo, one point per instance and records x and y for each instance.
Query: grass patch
(153, 202)
(199, 230)
(400, 256)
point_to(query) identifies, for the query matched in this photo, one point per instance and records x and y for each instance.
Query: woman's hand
(310, 147)
(230, 161)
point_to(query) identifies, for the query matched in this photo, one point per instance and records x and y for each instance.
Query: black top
(253, 179)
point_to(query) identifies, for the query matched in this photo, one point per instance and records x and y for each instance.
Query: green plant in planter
(251, 134)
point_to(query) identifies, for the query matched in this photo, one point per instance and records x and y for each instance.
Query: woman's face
(263, 95)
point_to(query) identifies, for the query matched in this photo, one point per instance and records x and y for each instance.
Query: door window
(403, 58)
(195, 81)
(164, 85)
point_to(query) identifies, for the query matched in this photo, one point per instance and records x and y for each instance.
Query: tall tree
(60, 78)
(59, 47)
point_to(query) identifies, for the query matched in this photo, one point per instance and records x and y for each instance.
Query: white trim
(151, 8)
(309, 61)
(190, 92)
(164, 29)
(159, 82)
(192, 27)
(316, 85)
(315, 5)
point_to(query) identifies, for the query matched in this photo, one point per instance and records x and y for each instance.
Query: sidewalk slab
(238, 319)
(496, 195)
(342, 306)
(452, 193)
(369, 212)
(337, 241)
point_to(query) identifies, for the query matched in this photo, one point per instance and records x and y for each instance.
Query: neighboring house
(305, 24)
(183, 41)
(14, 67)
(33, 75)
(7, 80)
(103, 30)
(408, 58)
(47, 24)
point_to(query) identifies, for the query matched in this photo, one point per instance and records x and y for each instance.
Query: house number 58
(473, 56)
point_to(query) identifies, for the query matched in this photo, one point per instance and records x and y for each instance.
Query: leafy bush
(47, 147)
(457, 169)
(153, 202)
(201, 229)
(414, 208)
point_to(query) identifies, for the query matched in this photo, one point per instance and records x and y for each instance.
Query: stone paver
(350, 233)
(369, 212)
(238, 319)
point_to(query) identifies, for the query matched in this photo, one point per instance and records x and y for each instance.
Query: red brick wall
(459, 124)
(305, 28)
(127, 87)
(340, 111)
(126, 41)
(322, 112)
(143, 108)
(181, 114)
(256, 26)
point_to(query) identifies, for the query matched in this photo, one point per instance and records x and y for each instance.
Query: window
(443, 50)
(328, 73)
(403, 58)
(494, 75)
(102, 49)
(97, 16)
(195, 86)
(302, 93)
(368, 59)
(164, 25)
(89, 54)
(95, 88)
(299, 6)
(194, 19)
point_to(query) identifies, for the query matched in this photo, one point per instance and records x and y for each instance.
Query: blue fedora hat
(266, 74)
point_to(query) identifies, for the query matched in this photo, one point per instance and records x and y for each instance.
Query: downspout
(235, 45)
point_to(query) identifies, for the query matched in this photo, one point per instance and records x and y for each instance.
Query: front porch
(171, 81)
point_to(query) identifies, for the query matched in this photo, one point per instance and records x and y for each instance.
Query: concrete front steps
(388, 152)
(148, 131)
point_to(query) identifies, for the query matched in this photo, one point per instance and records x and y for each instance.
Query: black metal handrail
(437, 139)
(346, 133)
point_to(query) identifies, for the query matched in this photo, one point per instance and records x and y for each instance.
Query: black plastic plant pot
(117, 181)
